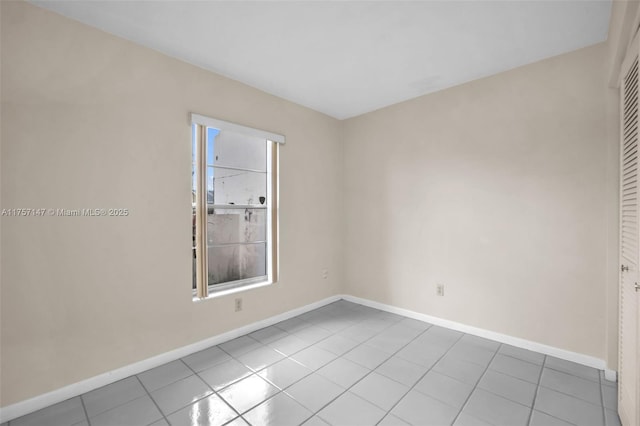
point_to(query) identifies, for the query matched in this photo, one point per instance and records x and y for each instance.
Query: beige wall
(90, 120)
(496, 189)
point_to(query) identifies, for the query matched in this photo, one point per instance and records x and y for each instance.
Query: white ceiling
(350, 57)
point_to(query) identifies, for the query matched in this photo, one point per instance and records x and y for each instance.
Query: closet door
(628, 364)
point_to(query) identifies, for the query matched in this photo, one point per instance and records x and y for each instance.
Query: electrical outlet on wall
(238, 303)
(325, 273)
(440, 289)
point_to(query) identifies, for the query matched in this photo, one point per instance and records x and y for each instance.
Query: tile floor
(346, 364)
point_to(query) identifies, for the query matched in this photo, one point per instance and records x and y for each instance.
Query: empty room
(321, 213)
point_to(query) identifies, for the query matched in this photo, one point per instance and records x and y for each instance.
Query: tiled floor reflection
(346, 364)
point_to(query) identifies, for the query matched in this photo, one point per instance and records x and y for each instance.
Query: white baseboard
(499, 337)
(21, 408)
(611, 375)
(13, 411)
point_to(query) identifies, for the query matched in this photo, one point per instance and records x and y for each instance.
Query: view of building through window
(237, 168)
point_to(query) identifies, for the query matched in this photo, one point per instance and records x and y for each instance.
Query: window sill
(213, 293)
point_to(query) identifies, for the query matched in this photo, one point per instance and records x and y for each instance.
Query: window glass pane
(228, 186)
(210, 185)
(237, 262)
(212, 141)
(226, 226)
(231, 149)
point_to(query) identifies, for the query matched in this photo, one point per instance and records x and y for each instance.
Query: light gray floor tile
(289, 345)
(415, 324)
(161, 422)
(496, 410)
(379, 390)
(315, 421)
(350, 409)
(522, 354)
(463, 371)
(360, 333)
(206, 359)
(467, 420)
(480, 342)
(367, 356)
(571, 385)
(419, 409)
(611, 418)
(516, 368)
(391, 420)
(268, 334)
(141, 411)
(471, 353)
(343, 372)
(403, 330)
(509, 387)
(239, 346)
(292, 325)
(62, 414)
(539, 418)
(389, 316)
(82, 423)
(314, 357)
(443, 334)
(335, 325)
(180, 394)
(211, 410)
(260, 358)
(401, 371)
(610, 397)
(376, 324)
(313, 334)
(573, 368)
(314, 391)
(388, 342)
(444, 389)
(110, 396)
(337, 344)
(247, 393)
(421, 355)
(568, 408)
(164, 375)
(284, 373)
(238, 421)
(279, 410)
(222, 375)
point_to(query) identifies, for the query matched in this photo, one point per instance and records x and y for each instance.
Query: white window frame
(203, 290)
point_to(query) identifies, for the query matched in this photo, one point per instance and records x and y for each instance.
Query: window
(234, 205)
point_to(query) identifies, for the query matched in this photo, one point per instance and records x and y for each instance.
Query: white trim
(611, 375)
(232, 127)
(579, 358)
(21, 408)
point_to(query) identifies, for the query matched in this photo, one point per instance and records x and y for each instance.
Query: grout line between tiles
(604, 417)
(83, 408)
(535, 396)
